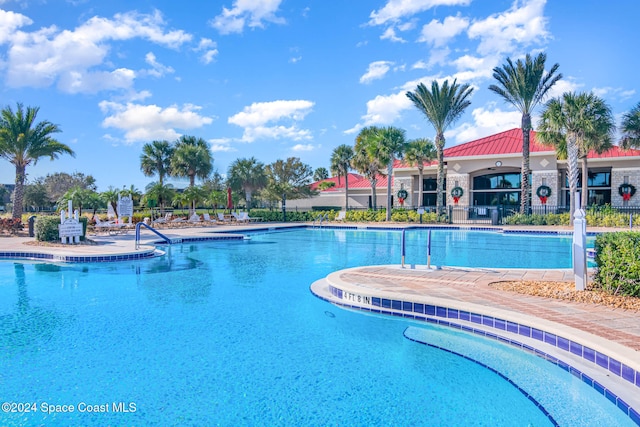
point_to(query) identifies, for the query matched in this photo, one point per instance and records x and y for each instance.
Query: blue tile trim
(76, 258)
(439, 314)
(504, 377)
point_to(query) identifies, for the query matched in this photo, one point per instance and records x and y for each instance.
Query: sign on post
(70, 229)
(125, 207)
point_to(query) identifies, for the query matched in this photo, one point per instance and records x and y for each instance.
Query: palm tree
(248, 176)
(340, 165)
(367, 158)
(23, 142)
(420, 151)
(132, 192)
(392, 143)
(524, 85)
(577, 120)
(194, 195)
(110, 197)
(158, 195)
(156, 159)
(320, 174)
(442, 106)
(631, 129)
(191, 158)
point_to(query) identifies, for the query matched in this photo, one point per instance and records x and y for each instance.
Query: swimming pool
(227, 333)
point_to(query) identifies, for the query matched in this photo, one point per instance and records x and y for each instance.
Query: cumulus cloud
(252, 13)
(438, 33)
(390, 34)
(221, 145)
(486, 121)
(72, 58)
(260, 120)
(208, 49)
(376, 70)
(522, 25)
(150, 122)
(303, 147)
(395, 10)
(383, 110)
(10, 22)
(157, 69)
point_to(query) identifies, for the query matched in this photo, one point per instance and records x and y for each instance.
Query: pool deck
(610, 331)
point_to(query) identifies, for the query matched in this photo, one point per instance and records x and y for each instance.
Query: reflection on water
(27, 325)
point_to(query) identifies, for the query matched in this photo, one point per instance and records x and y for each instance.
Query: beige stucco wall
(617, 178)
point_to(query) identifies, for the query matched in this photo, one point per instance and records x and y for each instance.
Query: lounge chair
(195, 219)
(207, 218)
(109, 226)
(244, 216)
(239, 217)
(221, 218)
(162, 220)
(342, 216)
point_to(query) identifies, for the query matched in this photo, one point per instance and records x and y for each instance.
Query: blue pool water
(227, 333)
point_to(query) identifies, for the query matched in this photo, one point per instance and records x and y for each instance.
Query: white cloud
(295, 59)
(157, 69)
(254, 120)
(619, 93)
(390, 34)
(9, 23)
(151, 122)
(303, 147)
(72, 58)
(438, 33)
(519, 26)
(394, 10)
(420, 65)
(565, 84)
(376, 70)
(485, 122)
(221, 145)
(247, 12)
(383, 110)
(209, 49)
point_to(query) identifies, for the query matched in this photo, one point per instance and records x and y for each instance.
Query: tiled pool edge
(434, 314)
(129, 256)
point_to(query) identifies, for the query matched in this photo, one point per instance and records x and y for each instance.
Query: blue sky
(280, 78)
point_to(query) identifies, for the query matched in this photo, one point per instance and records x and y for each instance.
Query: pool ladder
(320, 219)
(165, 238)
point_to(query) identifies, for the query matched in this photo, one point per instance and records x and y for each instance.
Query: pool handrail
(140, 224)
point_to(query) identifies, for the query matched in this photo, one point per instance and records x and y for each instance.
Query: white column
(579, 246)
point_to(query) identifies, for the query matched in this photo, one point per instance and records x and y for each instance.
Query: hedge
(618, 260)
(46, 228)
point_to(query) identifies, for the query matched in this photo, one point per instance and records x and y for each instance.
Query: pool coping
(551, 339)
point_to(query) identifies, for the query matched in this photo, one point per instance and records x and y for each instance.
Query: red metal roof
(510, 142)
(355, 181)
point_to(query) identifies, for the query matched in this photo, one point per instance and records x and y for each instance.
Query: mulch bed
(566, 291)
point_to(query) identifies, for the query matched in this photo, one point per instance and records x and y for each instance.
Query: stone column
(458, 180)
(551, 180)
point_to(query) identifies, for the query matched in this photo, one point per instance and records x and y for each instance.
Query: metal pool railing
(140, 224)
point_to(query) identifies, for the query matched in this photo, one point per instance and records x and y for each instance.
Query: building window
(496, 189)
(599, 186)
(429, 191)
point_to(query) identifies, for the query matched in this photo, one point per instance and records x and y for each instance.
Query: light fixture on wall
(498, 163)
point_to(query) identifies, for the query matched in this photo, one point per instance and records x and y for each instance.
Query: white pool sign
(70, 228)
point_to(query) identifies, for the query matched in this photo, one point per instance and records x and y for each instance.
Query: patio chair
(221, 218)
(244, 216)
(342, 216)
(195, 219)
(240, 217)
(207, 218)
(162, 220)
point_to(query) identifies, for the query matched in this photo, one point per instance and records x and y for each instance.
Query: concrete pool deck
(605, 330)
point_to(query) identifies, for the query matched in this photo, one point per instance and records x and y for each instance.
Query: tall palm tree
(23, 142)
(156, 159)
(393, 143)
(631, 129)
(420, 151)
(340, 165)
(524, 85)
(577, 120)
(191, 159)
(320, 173)
(248, 176)
(442, 106)
(366, 159)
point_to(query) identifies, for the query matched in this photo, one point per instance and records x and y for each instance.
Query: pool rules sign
(70, 229)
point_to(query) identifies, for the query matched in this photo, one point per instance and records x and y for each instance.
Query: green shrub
(618, 260)
(46, 228)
